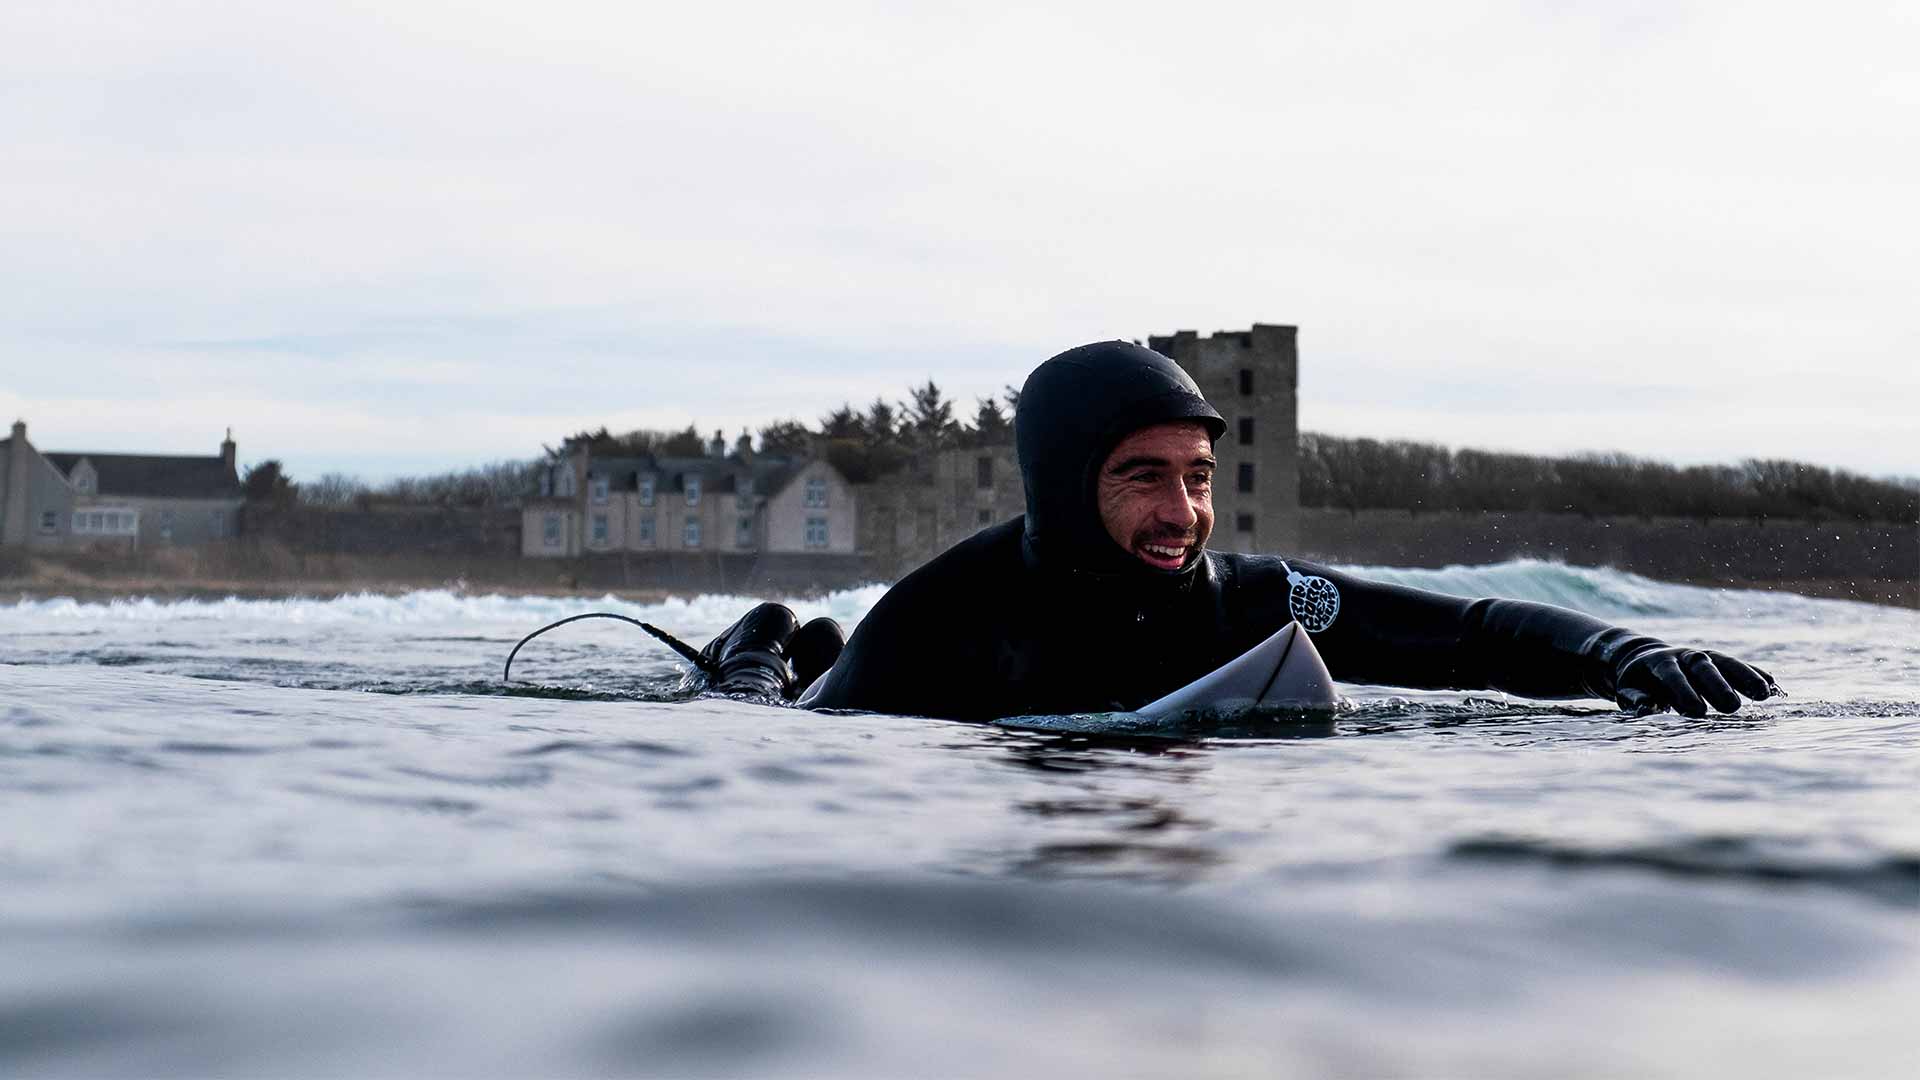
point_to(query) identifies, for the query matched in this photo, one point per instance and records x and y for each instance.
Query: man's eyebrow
(1145, 461)
(1139, 461)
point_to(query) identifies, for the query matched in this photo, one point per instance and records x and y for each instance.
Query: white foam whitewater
(1599, 591)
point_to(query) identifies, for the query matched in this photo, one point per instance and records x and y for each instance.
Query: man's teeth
(1165, 552)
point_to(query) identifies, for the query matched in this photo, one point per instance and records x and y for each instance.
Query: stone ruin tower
(1252, 378)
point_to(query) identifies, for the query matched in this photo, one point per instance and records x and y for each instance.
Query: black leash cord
(688, 652)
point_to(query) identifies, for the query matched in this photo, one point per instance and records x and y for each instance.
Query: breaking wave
(1609, 593)
(428, 607)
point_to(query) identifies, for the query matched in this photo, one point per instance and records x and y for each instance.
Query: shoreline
(103, 589)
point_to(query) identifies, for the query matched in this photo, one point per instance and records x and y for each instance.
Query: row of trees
(1346, 473)
(503, 483)
(1361, 474)
(865, 444)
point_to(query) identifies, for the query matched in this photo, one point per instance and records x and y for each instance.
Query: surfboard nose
(1302, 679)
(1283, 672)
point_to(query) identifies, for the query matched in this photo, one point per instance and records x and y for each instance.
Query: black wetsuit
(1047, 614)
(1006, 637)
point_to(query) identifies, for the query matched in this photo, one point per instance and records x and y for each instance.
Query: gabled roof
(717, 475)
(155, 475)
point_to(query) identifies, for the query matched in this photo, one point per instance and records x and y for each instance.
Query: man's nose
(1176, 506)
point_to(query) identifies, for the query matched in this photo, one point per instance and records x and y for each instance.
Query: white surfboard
(1283, 672)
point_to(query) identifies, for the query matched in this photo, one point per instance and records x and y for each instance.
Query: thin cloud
(618, 214)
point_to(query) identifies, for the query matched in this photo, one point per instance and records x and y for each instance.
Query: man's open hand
(1689, 680)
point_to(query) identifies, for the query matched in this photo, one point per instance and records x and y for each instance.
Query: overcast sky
(405, 236)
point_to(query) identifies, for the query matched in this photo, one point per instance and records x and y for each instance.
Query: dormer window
(598, 488)
(646, 491)
(563, 482)
(85, 480)
(692, 488)
(816, 493)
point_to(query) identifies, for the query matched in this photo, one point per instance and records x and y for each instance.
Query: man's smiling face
(1156, 493)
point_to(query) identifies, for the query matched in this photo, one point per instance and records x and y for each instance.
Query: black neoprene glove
(1658, 676)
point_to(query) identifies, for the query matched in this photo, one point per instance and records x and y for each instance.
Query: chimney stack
(718, 447)
(13, 513)
(229, 453)
(743, 447)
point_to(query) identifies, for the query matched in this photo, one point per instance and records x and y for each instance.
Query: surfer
(1103, 596)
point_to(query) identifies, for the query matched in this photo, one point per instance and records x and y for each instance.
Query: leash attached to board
(692, 655)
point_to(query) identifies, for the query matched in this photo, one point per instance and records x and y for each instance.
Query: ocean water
(320, 837)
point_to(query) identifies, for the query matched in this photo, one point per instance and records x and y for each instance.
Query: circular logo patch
(1314, 601)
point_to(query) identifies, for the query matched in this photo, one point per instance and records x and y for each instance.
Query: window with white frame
(600, 530)
(106, 522)
(597, 488)
(646, 491)
(692, 488)
(816, 532)
(816, 493)
(646, 529)
(550, 530)
(690, 533)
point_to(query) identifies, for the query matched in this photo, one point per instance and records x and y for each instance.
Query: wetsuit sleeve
(899, 661)
(1397, 636)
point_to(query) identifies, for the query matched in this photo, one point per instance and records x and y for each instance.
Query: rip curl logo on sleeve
(1312, 599)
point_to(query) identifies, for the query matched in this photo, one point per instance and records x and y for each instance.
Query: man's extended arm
(1397, 636)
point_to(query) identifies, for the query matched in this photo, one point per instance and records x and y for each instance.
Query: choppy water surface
(318, 837)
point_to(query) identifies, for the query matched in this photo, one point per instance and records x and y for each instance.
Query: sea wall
(1883, 557)
(384, 530)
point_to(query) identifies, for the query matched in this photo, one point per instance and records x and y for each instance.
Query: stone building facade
(75, 499)
(736, 502)
(909, 516)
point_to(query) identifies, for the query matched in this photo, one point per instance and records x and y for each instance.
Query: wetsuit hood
(1074, 409)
